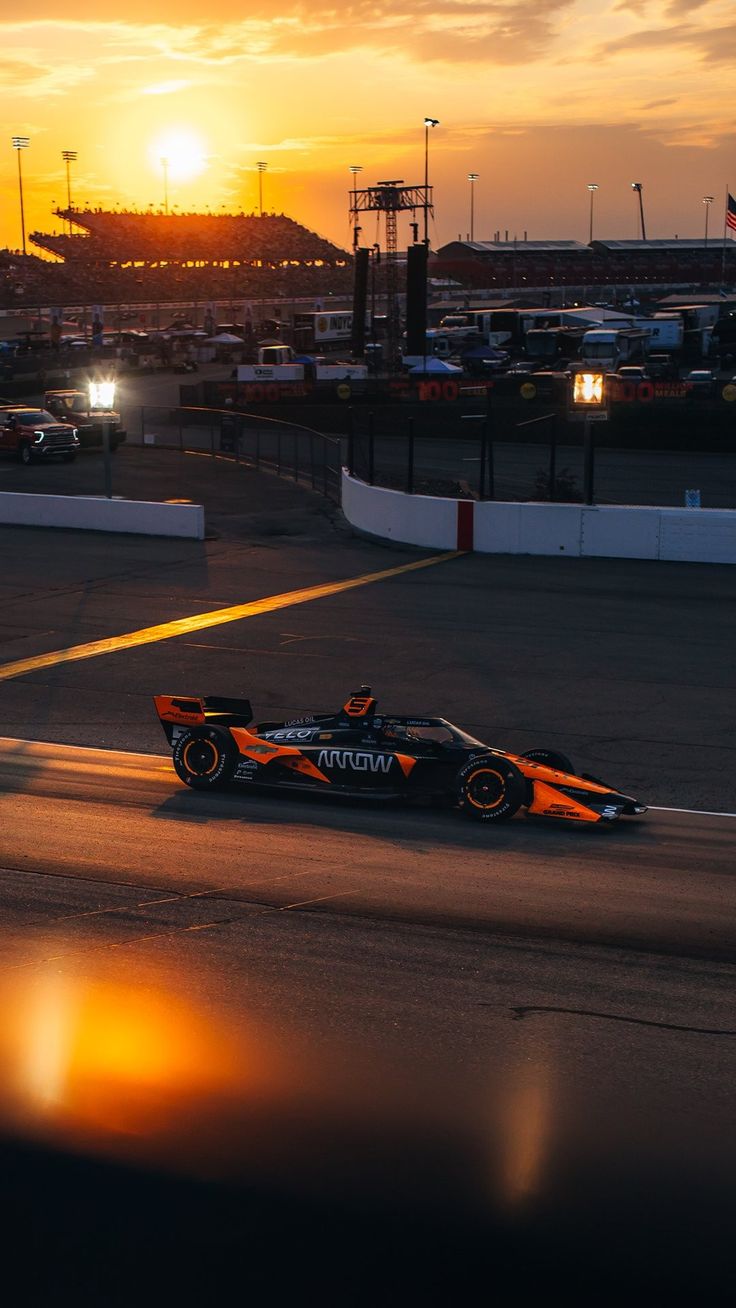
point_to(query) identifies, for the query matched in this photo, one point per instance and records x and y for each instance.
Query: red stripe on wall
(465, 524)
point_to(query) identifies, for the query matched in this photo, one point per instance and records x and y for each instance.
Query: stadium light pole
(102, 398)
(428, 122)
(638, 187)
(261, 166)
(165, 166)
(355, 169)
(707, 201)
(472, 178)
(592, 187)
(69, 156)
(21, 143)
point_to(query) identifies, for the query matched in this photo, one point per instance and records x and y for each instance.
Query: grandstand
(525, 264)
(132, 257)
(187, 239)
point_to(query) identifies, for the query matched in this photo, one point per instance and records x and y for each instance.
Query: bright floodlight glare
(431, 122)
(101, 394)
(587, 388)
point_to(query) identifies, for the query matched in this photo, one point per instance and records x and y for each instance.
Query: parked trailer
(609, 347)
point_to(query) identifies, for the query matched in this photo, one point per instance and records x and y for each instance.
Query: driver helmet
(396, 731)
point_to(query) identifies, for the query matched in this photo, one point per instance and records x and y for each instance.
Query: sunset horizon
(538, 100)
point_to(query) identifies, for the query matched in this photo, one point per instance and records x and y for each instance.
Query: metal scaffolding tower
(391, 198)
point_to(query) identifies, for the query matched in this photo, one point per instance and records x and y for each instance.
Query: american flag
(731, 213)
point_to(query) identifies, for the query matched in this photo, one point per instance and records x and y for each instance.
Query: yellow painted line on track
(216, 618)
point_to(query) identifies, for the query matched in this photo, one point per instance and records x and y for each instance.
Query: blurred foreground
(152, 1148)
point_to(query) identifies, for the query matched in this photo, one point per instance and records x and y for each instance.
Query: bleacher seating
(131, 257)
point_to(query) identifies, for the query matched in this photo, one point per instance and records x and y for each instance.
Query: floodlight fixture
(588, 389)
(101, 395)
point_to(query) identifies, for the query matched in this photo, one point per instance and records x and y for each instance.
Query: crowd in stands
(130, 257)
(181, 238)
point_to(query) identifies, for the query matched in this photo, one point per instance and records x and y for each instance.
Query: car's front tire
(205, 758)
(25, 454)
(550, 758)
(490, 789)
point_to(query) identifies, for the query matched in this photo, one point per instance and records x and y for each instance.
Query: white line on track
(93, 749)
(698, 812)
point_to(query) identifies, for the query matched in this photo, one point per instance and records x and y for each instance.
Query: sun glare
(184, 152)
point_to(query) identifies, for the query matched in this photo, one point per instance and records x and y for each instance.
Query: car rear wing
(196, 711)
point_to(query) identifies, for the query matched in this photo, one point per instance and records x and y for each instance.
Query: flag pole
(723, 255)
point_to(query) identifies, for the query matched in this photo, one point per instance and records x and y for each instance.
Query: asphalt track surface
(576, 966)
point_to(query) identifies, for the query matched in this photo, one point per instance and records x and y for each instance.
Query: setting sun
(184, 152)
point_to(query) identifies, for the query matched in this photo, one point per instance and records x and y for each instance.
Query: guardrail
(287, 449)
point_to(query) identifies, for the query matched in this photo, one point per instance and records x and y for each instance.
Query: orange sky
(539, 97)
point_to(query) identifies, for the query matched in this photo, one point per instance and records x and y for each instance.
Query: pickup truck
(33, 434)
(73, 406)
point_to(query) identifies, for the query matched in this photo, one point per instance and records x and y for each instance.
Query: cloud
(499, 32)
(28, 77)
(719, 44)
(713, 45)
(681, 8)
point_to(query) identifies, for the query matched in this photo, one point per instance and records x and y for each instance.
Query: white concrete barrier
(413, 519)
(581, 530)
(93, 513)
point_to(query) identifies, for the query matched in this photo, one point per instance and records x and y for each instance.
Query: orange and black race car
(360, 752)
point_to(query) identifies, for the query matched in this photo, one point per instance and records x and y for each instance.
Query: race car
(359, 752)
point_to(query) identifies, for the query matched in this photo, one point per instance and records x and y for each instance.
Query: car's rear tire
(550, 758)
(490, 788)
(205, 758)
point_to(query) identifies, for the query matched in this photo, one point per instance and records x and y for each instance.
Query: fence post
(296, 456)
(553, 459)
(487, 439)
(181, 434)
(212, 440)
(483, 451)
(371, 450)
(278, 452)
(588, 461)
(351, 441)
(410, 458)
(311, 459)
(143, 424)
